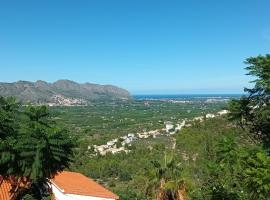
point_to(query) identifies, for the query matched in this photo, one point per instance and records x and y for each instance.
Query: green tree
(130, 194)
(225, 171)
(254, 110)
(32, 147)
(166, 181)
(238, 172)
(9, 114)
(240, 111)
(45, 149)
(257, 175)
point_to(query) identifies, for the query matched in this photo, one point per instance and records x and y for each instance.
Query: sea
(187, 97)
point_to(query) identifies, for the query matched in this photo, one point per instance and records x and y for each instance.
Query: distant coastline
(185, 96)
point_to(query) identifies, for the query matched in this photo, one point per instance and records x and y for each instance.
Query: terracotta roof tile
(5, 188)
(76, 183)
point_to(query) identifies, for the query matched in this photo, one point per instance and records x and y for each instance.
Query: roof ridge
(71, 183)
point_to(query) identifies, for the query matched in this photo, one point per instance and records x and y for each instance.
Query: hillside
(62, 92)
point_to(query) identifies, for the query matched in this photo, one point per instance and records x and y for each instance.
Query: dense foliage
(32, 147)
(224, 158)
(100, 122)
(216, 159)
(253, 111)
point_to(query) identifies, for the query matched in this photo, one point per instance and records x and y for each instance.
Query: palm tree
(166, 181)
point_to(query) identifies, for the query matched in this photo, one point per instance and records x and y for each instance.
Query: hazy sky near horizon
(145, 46)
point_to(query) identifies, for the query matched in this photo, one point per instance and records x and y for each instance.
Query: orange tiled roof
(5, 188)
(78, 184)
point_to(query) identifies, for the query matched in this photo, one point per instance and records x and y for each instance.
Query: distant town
(120, 144)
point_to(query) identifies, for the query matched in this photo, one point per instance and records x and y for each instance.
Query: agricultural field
(101, 122)
(127, 173)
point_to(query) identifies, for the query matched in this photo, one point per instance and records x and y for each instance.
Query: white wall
(59, 195)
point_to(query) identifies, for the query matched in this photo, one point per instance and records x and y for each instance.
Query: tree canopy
(33, 148)
(253, 111)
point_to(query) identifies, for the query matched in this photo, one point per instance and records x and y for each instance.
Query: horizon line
(155, 94)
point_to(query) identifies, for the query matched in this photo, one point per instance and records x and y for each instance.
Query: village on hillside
(121, 144)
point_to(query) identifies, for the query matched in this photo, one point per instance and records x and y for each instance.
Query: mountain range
(62, 92)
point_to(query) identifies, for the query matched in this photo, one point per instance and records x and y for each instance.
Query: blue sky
(145, 46)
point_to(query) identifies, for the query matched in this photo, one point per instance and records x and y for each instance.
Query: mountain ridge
(62, 92)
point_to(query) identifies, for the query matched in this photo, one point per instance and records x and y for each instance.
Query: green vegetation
(33, 148)
(255, 109)
(217, 159)
(221, 158)
(101, 122)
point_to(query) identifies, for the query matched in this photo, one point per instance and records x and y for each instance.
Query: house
(126, 141)
(8, 186)
(200, 118)
(169, 126)
(130, 138)
(143, 135)
(67, 186)
(111, 143)
(180, 126)
(209, 115)
(124, 137)
(75, 186)
(223, 112)
(102, 148)
(132, 135)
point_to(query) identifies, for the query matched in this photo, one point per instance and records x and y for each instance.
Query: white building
(75, 186)
(143, 135)
(169, 126)
(116, 150)
(132, 135)
(209, 115)
(223, 112)
(126, 141)
(111, 143)
(180, 126)
(200, 118)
